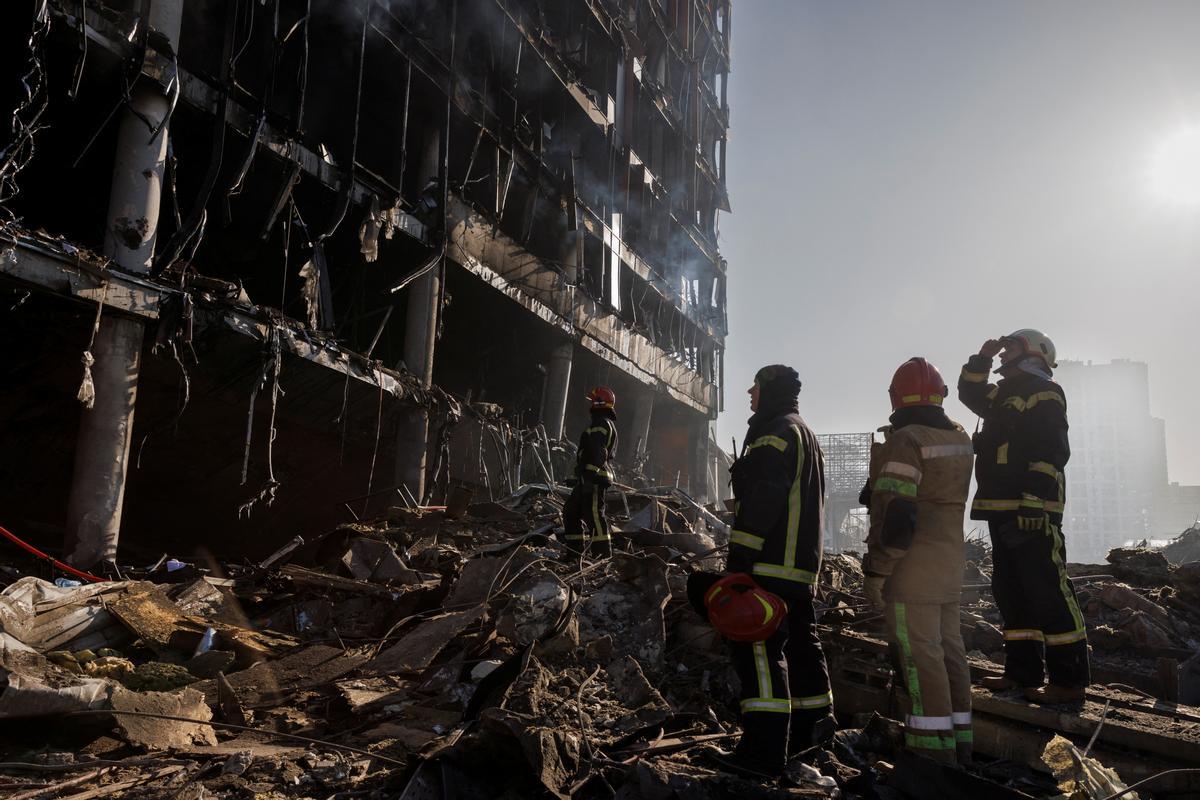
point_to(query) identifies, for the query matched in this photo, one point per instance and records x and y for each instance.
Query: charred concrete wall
(411, 208)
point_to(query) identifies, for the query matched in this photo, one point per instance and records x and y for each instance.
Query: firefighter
(779, 485)
(1021, 453)
(585, 526)
(919, 480)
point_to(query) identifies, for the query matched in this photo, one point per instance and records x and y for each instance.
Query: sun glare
(1175, 168)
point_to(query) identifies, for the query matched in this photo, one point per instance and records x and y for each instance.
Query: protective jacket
(1021, 453)
(779, 484)
(1022, 448)
(919, 477)
(597, 445)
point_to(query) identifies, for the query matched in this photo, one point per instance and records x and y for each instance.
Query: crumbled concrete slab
(417, 649)
(161, 734)
(533, 609)
(207, 665)
(375, 560)
(305, 668)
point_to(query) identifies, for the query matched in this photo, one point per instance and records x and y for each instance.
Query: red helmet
(917, 383)
(742, 611)
(602, 397)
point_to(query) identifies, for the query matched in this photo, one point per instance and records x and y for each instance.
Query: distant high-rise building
(1118, 469)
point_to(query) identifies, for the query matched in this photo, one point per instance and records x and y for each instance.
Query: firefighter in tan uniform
(919, 480)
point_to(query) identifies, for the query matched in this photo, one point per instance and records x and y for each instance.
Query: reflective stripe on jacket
(597, 445)
(779, 483)
(1022, 448)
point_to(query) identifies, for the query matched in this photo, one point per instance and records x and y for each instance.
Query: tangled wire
(28, 110)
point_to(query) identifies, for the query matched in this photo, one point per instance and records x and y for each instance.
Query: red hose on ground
(87, 576)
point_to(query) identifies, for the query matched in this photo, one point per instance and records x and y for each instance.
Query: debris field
(376, 250)
(442, 652)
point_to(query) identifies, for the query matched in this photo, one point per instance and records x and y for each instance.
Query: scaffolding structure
(847, 460)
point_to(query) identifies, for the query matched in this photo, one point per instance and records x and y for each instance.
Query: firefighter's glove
(873, 589)
(1031, 519)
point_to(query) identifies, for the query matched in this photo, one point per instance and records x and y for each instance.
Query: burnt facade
(318, 254)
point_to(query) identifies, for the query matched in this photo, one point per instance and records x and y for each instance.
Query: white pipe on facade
(102, 449)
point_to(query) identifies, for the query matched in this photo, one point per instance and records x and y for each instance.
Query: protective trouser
(785, 687)
(928, 646)
(585, 526)
(1037, 601)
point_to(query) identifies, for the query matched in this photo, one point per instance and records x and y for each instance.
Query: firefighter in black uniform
(585, 526)
(779, 485)
(1021, 453)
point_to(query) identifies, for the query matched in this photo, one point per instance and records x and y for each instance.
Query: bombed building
(281, 263)
(301, 301)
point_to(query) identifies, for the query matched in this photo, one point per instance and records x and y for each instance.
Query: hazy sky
(911, 178)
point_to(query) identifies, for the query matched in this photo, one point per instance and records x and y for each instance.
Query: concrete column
(102, 449)
(700, 489)
(620, 110)
(642, 408)
(420, 337)
(570, 256)
(558, 385)
(558, 372)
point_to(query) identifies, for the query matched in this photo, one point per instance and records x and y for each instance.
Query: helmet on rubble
(742, 611)
(1029, 342)
(602, 398)
(917, 383)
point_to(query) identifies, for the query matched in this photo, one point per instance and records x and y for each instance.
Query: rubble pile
(1142, 613)
(435, 652)
(1138, 719)
(1184, 548)
(454, 651)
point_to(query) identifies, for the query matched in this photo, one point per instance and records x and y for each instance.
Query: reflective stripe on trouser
(783, 677)
(933, 666)
(585, 526)
(762, 670)
(808, 674)
(1042, 619)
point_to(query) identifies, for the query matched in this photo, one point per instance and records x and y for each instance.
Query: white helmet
(1029, 342)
